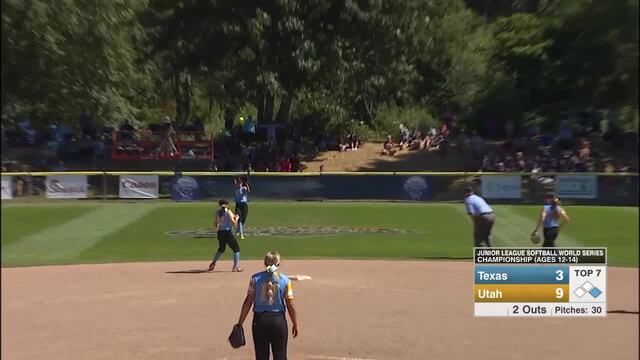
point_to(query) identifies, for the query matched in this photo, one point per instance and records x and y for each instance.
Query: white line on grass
(74, 236)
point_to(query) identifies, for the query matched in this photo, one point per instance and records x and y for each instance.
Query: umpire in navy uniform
(482, 216)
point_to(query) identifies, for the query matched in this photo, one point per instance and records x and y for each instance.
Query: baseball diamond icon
(587, 288)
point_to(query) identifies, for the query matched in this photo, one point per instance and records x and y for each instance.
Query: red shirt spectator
(285, 165)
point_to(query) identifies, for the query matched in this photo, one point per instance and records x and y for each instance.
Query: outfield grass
(92, 232)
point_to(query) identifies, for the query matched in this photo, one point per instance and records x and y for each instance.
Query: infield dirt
(348, 310)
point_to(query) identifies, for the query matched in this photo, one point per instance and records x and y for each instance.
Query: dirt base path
(348, 310)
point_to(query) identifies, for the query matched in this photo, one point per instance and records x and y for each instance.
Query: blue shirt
(258, 288)
(550, 220)
(249, 126)
(224, 220)
(476, 205)
(242, 194)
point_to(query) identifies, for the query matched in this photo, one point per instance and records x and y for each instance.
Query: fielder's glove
(535, 237)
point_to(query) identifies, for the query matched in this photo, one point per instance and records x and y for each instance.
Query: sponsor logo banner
(294, 231)
(577, 186)
(416, 188)
(7, 189)
(185, 188)
(139, 186)
(67, 187)
(501, 186)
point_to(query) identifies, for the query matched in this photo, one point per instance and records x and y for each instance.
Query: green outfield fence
(579, 188)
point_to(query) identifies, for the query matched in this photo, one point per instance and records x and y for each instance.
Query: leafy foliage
(318, 64)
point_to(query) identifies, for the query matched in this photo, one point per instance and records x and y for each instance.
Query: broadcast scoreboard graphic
(539, 282)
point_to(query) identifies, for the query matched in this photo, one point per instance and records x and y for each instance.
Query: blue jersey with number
(259, 289)
(242, 194)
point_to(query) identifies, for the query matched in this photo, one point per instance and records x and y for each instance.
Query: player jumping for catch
(242, 203)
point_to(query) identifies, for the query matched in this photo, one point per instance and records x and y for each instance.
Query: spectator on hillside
(285, 165)
(342, 145)
(354, 142)
(296, 163)
(417, 143)
(584, 149)
(405, 136)
(426, 142)
(389, 147)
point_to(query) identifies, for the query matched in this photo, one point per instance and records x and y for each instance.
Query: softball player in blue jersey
(242, 204)
(225, 221)
(271, 295)
(552, 217)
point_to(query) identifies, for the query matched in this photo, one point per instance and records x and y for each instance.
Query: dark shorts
(550, 235)
(225, 237)
(270, 331)
(482, 226)
(242, 209)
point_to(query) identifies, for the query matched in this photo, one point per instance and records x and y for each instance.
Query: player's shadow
(197, 271)
(623, 312)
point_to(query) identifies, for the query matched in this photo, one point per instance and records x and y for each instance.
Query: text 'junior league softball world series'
(539, 282)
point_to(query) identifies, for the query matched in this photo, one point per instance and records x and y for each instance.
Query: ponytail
(555, 207)
(272, 261)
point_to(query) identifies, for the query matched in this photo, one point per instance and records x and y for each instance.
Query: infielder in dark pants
(550, 218)
(225, 220)
(271, 295)
(482, 216)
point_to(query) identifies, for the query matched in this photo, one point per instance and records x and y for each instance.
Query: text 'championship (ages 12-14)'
(540, 282)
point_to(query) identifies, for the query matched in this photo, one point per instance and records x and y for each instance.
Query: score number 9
(559, 277)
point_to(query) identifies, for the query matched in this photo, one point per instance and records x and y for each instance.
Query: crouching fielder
(482, 216)
(271, 294)
(552, 217)
(225, 221)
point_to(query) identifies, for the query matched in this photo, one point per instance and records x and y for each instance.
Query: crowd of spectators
(416, 140)
(54, 144)
(576, 146)
(252, 147)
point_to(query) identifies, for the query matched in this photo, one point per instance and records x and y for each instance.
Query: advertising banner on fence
(7, 190)
(139, 186)
(501, 186)
(67, 187)
(577, 186)
(376, 187)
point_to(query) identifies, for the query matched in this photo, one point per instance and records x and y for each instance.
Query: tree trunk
(285, 108)
(210, 95)
(228, 118)
(268, 109)
(177, 93)
(187, 96)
